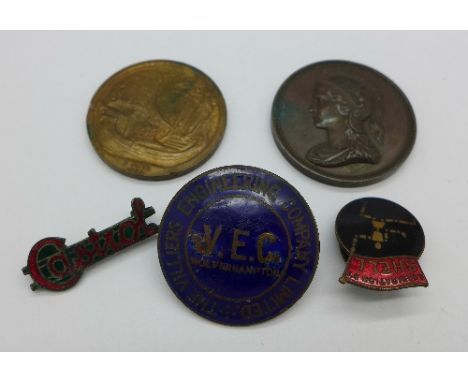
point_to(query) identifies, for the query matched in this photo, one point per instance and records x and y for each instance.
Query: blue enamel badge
(238, 245)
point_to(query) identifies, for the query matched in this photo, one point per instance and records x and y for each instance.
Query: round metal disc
(238, 245)
(156, 119)
(378, 228)
(343, 123)
(381, 243)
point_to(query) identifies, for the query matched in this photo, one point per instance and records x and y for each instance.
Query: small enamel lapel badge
(56, 266)
(381, 242)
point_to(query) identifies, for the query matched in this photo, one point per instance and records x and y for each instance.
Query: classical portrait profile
(349, 114)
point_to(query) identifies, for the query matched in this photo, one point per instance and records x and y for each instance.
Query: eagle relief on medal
(156, 119)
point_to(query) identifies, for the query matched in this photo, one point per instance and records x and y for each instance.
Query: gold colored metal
(156, 119)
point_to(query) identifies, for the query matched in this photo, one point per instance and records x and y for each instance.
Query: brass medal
(156, 119)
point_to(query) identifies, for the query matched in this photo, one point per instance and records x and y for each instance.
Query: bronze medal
(343, 123)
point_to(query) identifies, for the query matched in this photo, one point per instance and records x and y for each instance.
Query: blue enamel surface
(238, 245)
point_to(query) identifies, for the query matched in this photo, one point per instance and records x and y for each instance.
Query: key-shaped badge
(55, 266)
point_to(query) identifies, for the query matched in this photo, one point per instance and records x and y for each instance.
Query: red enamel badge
(55, 266)
(381, 242)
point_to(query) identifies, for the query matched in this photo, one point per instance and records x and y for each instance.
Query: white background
(54, 184)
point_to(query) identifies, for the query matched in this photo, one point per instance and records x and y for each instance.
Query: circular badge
(343, 123)
(156, 119)
(238, 245)
(381, 242)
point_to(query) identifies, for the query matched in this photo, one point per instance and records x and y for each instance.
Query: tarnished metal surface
(156, 119)
(343, 123)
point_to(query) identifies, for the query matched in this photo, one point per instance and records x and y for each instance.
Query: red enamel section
(59, 267)
(34, 266)
(386, 273)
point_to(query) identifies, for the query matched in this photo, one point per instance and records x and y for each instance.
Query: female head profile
(348, 112)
